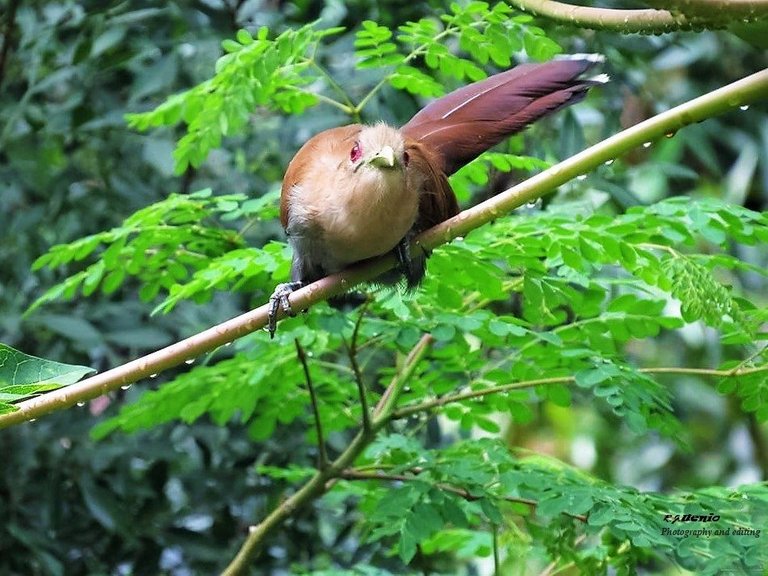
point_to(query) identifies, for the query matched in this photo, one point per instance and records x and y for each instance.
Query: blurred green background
(177, 499)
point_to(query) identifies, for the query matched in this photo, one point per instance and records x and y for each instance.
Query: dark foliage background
(177, 499)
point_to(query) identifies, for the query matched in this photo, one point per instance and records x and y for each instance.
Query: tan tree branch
(322, 454)
(709, 10)
(670, 16)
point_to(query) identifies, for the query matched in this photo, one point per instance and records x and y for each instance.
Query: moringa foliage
(534, 312)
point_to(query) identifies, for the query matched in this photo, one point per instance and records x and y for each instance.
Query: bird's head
(379, 147)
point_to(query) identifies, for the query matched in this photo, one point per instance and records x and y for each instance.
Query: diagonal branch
(384, 410)
(352, 353)
(739, 93)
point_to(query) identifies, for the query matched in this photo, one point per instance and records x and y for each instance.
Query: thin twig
(650, 245)
(365, 411)
(418, 51)
(323, 98)
(626, 21)
(412, 409)
(352, 353)
(553, 568)
(359, 322)
(445, 487)
(333, 84)
(323, 456)
(736, 369)
(718, 11)
(671, 15)
(386, 405)
(707, 371)
(496, 560)
(5, 49)
(739, 93)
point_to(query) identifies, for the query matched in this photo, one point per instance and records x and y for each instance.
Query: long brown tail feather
(465, 123)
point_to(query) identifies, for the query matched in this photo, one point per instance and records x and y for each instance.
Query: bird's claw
(407, 265)
(279, 299)
(403, 255)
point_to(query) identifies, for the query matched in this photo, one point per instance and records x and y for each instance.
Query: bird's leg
(403, 256)
(279, 298)
(412, 268)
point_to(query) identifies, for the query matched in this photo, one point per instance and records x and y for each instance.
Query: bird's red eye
(406, 158)
(356, 153)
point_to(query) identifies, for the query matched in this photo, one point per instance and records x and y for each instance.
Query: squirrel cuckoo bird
(357, 192)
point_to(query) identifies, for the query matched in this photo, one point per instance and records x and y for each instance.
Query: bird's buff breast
(361, 221)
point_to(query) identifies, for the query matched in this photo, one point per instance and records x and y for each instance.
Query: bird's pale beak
(384, 158)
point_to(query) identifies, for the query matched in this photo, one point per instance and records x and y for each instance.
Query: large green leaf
(22, 376)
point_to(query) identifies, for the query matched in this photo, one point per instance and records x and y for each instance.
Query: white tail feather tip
(590, 57)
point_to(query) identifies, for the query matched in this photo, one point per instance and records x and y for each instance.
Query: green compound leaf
(23, 376)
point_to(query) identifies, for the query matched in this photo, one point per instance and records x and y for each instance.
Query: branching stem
(324, 478)
(333, 84)
(428, 405)
(416, 52)
(323, 98)
(676, 15)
